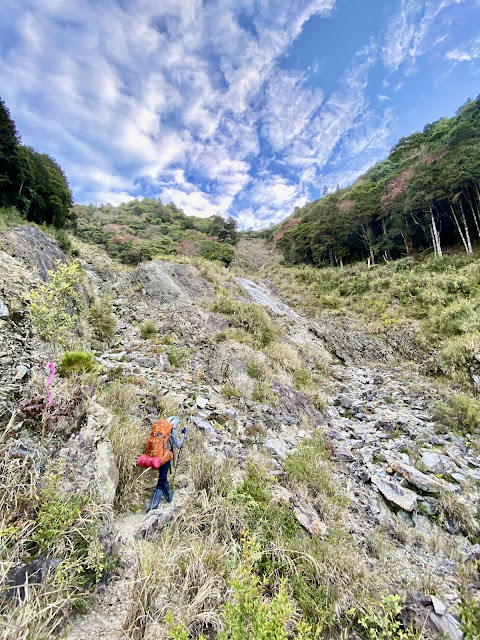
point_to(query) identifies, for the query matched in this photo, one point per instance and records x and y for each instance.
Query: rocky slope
(397, 466)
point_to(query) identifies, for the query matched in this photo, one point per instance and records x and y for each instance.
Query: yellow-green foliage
(469, 614)
(250, 615)
(285, 356)
(438, 300)
(382, 623)
(247, 316)
(102, 319)
(38, 522)
(176, 356)
(460, 413)
(53, 305)
(263, 393)
(76, 362)
(9, 217)
(148, 329)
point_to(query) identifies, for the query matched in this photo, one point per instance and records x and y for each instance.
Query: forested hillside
(31, 182)
(425, 195)
(141, 230)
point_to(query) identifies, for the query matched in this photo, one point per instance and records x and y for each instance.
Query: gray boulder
(393, 492)
(34, 248)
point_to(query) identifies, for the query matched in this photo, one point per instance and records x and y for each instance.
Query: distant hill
(141, 230)
(426, 194)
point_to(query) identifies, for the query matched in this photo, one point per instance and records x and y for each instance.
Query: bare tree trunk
(467, 233)
(341, 263)
(436, 235)
(387, 255)
(475, 214)
(434, 241)
(20, 189)
(459, 229)
(407, 248)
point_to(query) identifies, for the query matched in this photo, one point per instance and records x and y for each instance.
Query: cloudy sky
(241, 107)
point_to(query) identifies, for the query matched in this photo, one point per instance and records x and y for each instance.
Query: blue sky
(238, 107)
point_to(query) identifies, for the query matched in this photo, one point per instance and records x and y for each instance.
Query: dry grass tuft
(285, 356)
(457, 509)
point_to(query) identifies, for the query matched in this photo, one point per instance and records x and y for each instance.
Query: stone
(34, 248)
(344, 401)
(201, 402)
(303, 511)
(205, 425)
(393, 492)
(422, 524)
(421, 480)
(276, 448)
(99, 420)
(383, 425)
(419, 613)
(106, 471)
(156, 519)
(21, 371)
(437, 463)
(342, 454)
(430, 506)
(438, 606)
(378, 380)
(361, 472)
(4, 312)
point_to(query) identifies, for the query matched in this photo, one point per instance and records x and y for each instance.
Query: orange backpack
(157, 452)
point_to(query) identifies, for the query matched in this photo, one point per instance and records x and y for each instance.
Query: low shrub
(249, 317)
(176, 357)
(148, 329)
(285, 356)
(382, 623)
(57, 534)
(263, 393)
(231, 392)
(63, 241)
(460, 413)
(102, 319)
(76, 362)
(257, 369)
(457, 509)
(469, 614)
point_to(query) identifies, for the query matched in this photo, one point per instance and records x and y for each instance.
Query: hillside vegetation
(425, 195)
(140, 230)
(31, 182)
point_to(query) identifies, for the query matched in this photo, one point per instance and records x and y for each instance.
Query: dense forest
(425, 195)
(31, 182)
(140, 230)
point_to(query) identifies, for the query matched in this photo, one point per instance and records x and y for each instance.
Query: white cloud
(411, 31)
(288, 108)
(469, 53)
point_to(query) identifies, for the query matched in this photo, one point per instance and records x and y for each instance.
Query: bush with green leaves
(469, 614)
(460, 413)
(76, 362)
(250, 616)
(263, 392)
(217, 251)
(176, 356)
(381, 623)
(54, 305)
(248, 316)
(148, 329)
(102, 319)
(59, 532)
